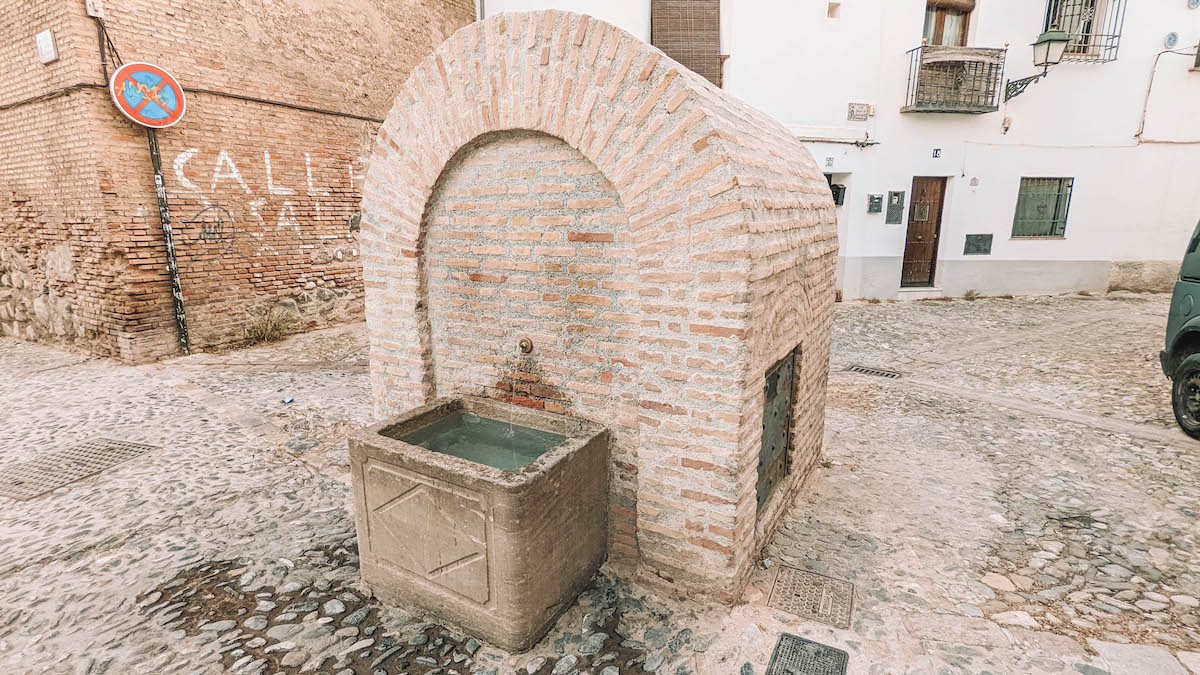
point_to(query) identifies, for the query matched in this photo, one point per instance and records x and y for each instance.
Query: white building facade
(1088, 179)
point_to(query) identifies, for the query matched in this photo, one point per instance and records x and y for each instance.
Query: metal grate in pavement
(26, 480)
(813, 596)
(794, 655)
(877, 372)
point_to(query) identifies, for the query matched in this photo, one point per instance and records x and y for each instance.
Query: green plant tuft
(268, 325)
(972, 294)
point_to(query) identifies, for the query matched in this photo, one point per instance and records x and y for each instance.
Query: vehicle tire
(1185, 395)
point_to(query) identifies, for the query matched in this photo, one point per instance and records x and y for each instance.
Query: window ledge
(1062, 238)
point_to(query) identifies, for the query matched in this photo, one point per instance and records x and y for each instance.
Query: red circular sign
(147, 95)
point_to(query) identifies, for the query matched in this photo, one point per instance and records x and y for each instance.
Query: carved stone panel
(438, 532)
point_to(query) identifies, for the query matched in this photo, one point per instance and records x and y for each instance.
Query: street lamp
(1048, 51)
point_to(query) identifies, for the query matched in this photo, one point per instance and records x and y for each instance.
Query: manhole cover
(813, 596)
(26, 480)
(794, 655)
(876, 372)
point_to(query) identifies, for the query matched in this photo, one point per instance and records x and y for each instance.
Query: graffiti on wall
(306, 190)
(217, 225)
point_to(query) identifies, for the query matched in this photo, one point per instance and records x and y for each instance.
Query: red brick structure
(548, 176)
(262, 192)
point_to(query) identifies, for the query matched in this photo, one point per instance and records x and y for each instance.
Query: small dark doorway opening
(924, 227)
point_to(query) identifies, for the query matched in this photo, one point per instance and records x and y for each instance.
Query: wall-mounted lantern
(1048, 51)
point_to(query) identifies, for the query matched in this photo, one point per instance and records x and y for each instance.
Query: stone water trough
(489, 514)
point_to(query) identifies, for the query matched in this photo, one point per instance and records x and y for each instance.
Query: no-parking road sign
(147, 95)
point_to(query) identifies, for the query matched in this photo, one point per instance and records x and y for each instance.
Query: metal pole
(164, 215)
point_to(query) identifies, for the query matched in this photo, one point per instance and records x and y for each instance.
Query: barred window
(689, 31)
(1094, 27)
(1042, 206)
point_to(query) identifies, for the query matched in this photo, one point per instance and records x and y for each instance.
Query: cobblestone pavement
(1018, 502)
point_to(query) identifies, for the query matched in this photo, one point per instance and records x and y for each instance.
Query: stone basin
(494, 532)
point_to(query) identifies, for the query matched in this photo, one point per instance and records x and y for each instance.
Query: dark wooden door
(924, 225)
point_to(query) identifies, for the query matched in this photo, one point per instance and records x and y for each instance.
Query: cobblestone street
(1019, 501)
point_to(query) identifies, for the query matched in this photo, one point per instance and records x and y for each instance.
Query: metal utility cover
(895, 208)
(26, 480)
(978, 244)
(794, 655)
(876, 372)
(813, 596)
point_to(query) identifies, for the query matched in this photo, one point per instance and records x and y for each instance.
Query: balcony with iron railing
(954, 79)
(1093, 25)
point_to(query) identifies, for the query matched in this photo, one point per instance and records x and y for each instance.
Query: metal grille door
(773, 458)
(924, 225)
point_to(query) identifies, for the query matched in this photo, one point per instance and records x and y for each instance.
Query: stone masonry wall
(264, 198)
(524, 237)
(57, 275)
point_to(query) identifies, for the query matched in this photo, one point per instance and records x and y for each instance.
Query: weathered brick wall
(733, 244)
(792, 256)
(261, 215)
(57, 276)
(280, 184)
(525, 238)
(247, 236)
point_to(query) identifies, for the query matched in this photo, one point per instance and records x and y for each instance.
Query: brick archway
(733, 242)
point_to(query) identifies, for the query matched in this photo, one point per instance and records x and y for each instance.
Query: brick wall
(248, 235)
(525, 238)
(733, 244)
(57, 275)
(261, 215)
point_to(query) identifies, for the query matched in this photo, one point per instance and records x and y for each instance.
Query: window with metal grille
(1093, 25)
(689, 31)
(1042, 206)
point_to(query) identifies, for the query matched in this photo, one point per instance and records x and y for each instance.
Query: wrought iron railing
(1094, 27)
(954, 79)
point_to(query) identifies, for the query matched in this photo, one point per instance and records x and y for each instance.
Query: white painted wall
(1134, 198)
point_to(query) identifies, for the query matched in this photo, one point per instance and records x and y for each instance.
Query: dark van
(1181, 357)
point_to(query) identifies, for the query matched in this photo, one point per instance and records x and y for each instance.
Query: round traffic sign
(147, 95)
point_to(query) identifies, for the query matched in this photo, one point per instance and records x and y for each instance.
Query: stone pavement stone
(1126, 659)
(1190, 660)
(1030, 440)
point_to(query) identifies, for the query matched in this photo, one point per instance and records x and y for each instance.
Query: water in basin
(502, 445)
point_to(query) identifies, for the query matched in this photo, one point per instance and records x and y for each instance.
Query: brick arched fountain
(667, 250)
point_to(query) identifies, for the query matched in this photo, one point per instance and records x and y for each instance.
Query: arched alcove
(524, 238)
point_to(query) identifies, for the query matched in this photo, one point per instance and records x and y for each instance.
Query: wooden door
(924, 225)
